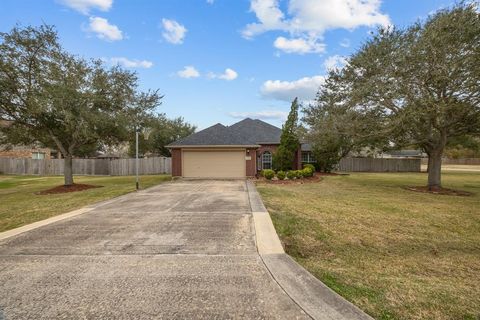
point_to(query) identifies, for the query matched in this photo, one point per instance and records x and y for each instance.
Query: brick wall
(297, 162)
(251, 165)
(21, 152)
(176, 162)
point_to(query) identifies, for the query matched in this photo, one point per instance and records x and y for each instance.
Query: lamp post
(137, 130)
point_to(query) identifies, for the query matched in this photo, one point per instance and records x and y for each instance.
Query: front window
(38, 155)
(307, 157)
(266, 160)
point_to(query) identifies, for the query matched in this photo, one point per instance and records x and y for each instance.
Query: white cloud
(299, 45)
(105, 30)
(210, 1)
(173, 32)
(309, 19)
(228, 74)
(335, 62)
(269, 15)
(188, 72)
(304, 88)
(84, 6)
(127, 63)
(267, 114)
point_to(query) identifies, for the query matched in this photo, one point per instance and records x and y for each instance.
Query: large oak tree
(420, 84)
(63, 101)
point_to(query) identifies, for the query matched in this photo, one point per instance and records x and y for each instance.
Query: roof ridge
(263, 122)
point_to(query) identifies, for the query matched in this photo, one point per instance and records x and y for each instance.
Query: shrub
(268, 174)
(309, 165)
(281, 175)
(291, 175)
(299, 174)
(307, 172)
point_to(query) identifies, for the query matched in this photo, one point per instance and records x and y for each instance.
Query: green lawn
(19, 205)
(396, 254)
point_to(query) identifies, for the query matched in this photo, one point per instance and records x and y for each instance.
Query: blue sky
(219, 60)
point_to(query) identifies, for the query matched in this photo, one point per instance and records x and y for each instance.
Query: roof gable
(257, 131)
(217, 134)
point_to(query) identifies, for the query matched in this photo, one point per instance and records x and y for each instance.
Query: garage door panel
(214, 164)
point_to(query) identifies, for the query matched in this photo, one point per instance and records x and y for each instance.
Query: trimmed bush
(268, 174)
(307, 172)
(309, 165)
(291, 175)
(281, 175)
(299, 174)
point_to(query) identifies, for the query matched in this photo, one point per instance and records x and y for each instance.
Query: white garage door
(214, 164)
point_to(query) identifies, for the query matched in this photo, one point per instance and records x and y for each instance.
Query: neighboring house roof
(247, 132)
(405, 153)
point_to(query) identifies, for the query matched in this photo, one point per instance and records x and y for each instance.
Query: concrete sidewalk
(180, 250)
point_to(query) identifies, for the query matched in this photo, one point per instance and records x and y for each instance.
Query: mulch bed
(315, 178)
(65, 189)
(442, 191)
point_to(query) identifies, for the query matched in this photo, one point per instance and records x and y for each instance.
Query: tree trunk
(68, 170)
(434, 170)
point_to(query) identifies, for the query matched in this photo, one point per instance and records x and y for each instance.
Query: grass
(19, 205)
(395, 253)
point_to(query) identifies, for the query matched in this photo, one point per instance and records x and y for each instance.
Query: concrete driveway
(181, 250)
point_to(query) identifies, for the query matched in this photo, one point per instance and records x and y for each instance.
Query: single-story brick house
(237, 151)
(24, 152)
(16, 151)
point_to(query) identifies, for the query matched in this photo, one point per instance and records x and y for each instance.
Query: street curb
(38, 224)
(313, 296)
(267, 239)
(265, 234)
(310, 294)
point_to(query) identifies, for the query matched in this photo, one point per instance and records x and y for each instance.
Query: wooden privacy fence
(118, 167)
(462, 161)
(379, 165)
(126, 167)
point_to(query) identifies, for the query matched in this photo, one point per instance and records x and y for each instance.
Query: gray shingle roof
(243, 133)
(256, 131)
(405, 153)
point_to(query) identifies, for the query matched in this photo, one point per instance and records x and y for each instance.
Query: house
(237, 151)
(24, 152)
(17, 151)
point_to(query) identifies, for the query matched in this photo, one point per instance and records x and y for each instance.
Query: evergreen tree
(285, 155)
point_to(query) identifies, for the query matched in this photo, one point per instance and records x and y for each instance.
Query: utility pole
(137, 130)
